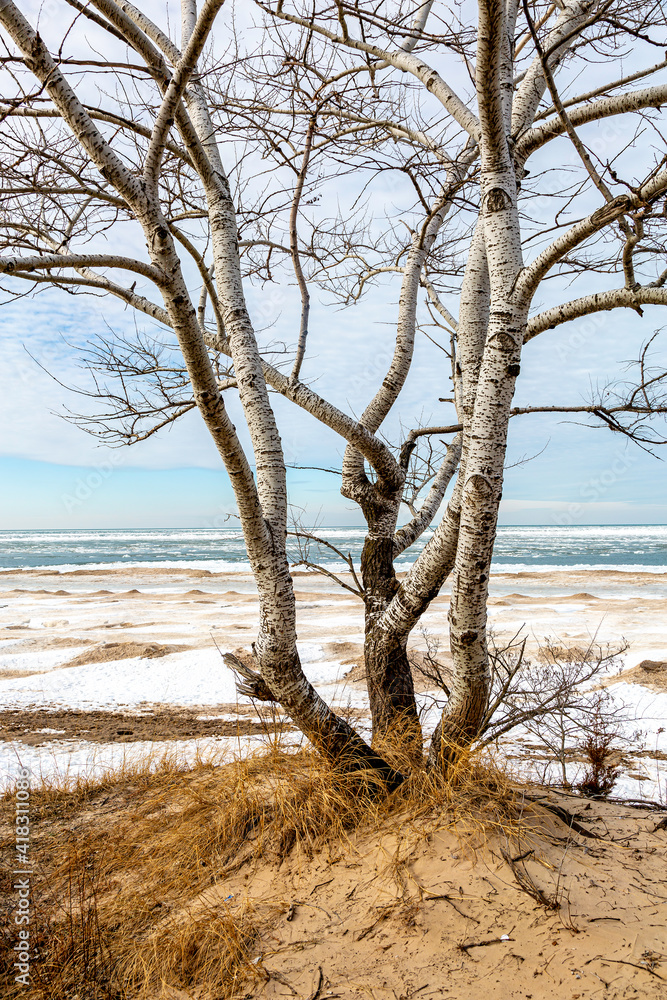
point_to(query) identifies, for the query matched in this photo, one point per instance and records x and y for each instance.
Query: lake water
(627, 547)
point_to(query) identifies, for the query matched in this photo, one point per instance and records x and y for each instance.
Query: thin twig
(294, 247)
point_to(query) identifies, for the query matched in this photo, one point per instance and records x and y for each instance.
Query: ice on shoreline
(222, 567)
(52, 617)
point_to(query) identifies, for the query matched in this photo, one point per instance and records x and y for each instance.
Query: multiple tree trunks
(496, 295)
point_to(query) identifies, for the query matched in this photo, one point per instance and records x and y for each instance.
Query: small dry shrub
(551, 698)
(601, 749)
(209, 953)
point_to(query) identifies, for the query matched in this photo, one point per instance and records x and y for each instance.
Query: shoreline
(142, 641)
(221, 567)
(131, 576)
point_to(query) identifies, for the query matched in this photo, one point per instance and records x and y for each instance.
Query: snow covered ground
(50, 619)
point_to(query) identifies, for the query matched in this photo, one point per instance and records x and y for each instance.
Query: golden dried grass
(126, 906)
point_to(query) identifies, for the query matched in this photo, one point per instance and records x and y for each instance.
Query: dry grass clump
(130, 899)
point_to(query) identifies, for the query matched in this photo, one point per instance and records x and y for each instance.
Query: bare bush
(601, 748)
(554, 697)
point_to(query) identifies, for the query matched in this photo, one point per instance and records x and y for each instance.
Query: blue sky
(54, 475)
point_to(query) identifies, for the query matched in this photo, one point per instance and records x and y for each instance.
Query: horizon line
(352, 527)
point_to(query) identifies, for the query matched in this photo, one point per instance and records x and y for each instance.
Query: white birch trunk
(485, 443)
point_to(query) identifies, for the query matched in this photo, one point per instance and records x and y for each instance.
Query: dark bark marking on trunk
(497, 200)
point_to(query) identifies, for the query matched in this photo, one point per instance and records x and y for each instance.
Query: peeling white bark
(615, 298)
(484, 446)
(636, 100)
(48, 262)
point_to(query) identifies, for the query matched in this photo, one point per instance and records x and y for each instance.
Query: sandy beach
(100, 664)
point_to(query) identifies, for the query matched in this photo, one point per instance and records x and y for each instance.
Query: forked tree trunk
(495, 298)
(280, 667)
(393, 607)
(388, 673)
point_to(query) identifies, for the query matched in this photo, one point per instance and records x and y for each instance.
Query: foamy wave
(216, 566)
(577, 568)
(518, 549)
(212, 565)
(122, 535)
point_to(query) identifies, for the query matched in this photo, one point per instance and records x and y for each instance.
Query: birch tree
(212, 152)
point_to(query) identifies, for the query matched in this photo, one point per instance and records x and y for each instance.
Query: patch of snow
(195, 677)
(45, 659)
(67, 760)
